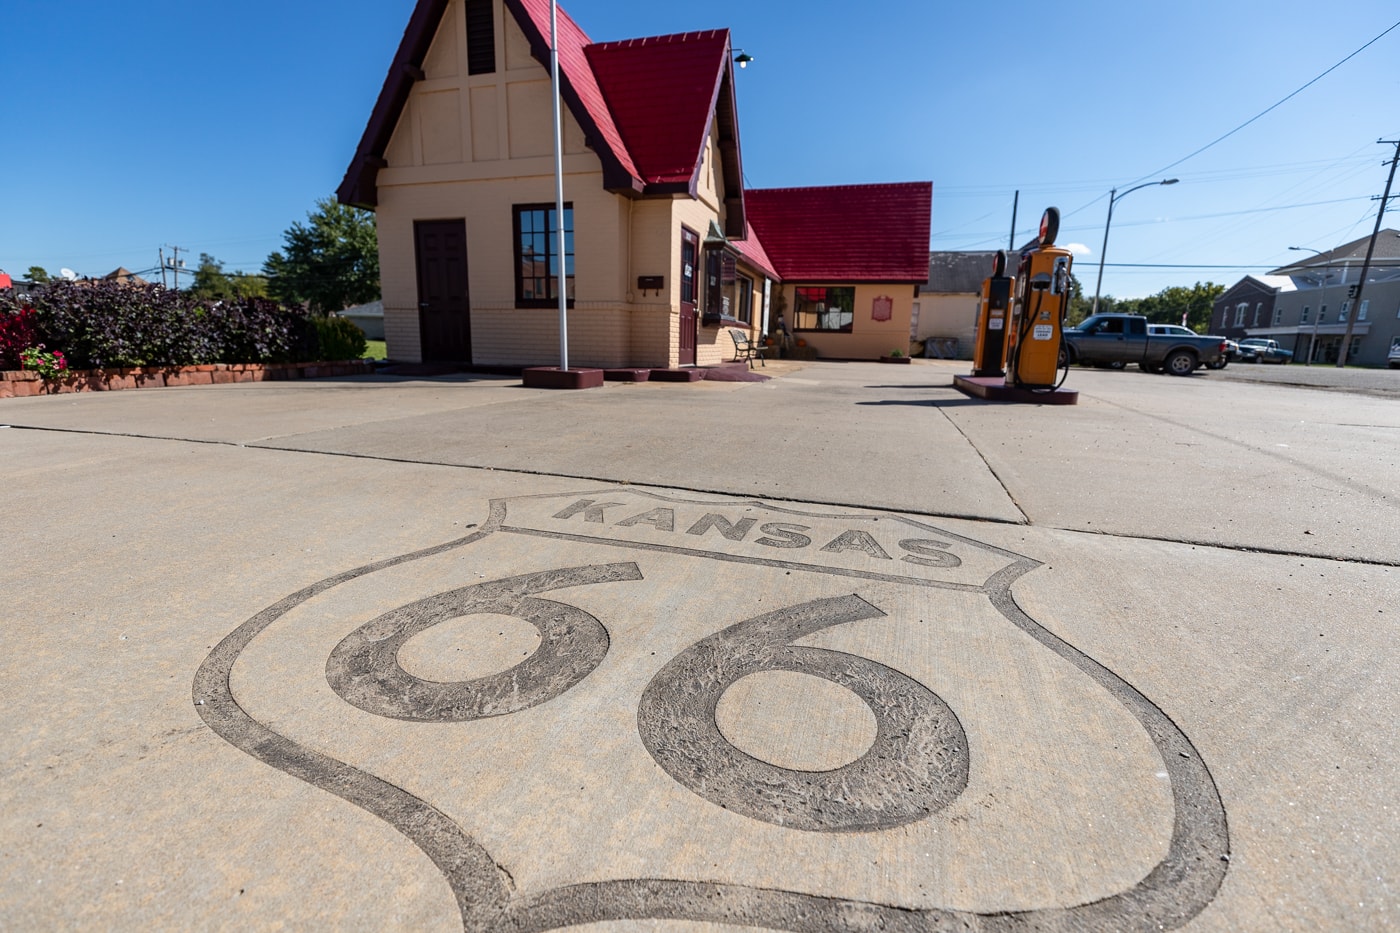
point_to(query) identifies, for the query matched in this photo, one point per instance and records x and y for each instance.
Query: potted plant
(895, 356)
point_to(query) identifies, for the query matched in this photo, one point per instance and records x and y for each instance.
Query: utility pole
(161, 252)
(1015, 205)
(175, 265)
(1370, 251)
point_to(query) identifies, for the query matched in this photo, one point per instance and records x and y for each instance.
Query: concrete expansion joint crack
(1011, 497)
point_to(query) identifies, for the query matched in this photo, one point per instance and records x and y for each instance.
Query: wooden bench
(746, 349)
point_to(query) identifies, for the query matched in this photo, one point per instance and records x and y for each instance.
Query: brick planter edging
(22, 383)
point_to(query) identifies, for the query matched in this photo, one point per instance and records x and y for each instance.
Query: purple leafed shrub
(105, 325)
(256, 330)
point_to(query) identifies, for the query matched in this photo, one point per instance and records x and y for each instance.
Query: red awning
(5, 281)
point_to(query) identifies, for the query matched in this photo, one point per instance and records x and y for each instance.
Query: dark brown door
(444, 311)
(690, 261)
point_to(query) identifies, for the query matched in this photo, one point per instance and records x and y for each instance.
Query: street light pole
(1112, 197)
(1322, 297)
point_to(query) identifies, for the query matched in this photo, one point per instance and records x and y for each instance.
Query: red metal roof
(751, 248)
(575, 69)
(661, 91)
(851, 233)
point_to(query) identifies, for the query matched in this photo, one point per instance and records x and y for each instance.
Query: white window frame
(1241, 310)
(1361, 312)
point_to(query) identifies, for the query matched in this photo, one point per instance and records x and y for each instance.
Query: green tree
(38, 275)
(210, 280)
(249, 285)
(1177, 305)
(328, 264)
(1081, 305)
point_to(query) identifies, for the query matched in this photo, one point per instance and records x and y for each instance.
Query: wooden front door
(690, 262)
(444, 309)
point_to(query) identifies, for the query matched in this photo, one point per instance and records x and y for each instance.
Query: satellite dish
(68, 274)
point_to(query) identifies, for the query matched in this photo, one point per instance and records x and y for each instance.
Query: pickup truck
(1119, 339)
(1265, 351)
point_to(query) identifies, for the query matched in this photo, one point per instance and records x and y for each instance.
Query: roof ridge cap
(668, 38)
(848, 187)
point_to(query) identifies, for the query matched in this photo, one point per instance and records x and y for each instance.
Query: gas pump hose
(1027, 326)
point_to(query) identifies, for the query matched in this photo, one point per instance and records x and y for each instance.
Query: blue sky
(132, 126)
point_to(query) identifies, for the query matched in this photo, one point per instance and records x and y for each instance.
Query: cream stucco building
(665, 251)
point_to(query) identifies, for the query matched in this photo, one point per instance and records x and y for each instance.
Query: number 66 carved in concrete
(917, 764)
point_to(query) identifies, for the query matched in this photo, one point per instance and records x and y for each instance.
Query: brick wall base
(19, 384)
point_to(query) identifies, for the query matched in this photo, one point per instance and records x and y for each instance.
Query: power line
(1194, 217)
(1067, 214)
(1275, 106)
(969, 192)
(1186, 265)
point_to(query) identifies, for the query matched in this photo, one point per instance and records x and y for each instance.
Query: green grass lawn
(375, 350)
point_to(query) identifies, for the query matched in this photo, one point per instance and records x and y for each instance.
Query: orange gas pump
(1042, 302)
(989, 356)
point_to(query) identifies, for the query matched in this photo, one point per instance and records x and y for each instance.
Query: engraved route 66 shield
(616, 705)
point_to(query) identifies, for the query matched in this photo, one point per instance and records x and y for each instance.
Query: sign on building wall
(882, 308)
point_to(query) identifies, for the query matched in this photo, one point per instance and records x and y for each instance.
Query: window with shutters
(481, 37)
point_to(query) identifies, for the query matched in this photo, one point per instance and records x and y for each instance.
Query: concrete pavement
(842, 650)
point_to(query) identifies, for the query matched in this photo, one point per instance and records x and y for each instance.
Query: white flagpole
(559, 187)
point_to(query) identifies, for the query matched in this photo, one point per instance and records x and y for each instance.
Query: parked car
(1118, 339)
(1179, 330)
(1266, 351)
(1393, 358)
(1235, 353)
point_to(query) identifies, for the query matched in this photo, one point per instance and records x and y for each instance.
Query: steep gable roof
(661, 92)
(664, 92)
(851, 233)
(358, 187)
(645, 105)
(1256, 285)
(578, 86)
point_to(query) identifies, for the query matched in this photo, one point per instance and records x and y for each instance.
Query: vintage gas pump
(989, 357)
(1042, 302)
